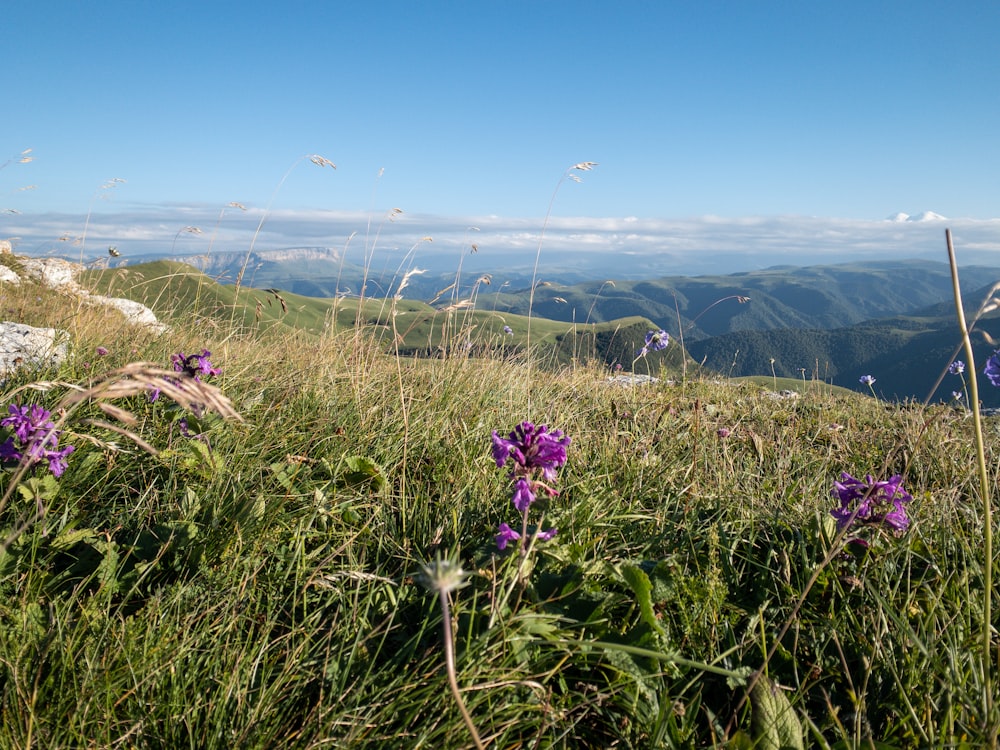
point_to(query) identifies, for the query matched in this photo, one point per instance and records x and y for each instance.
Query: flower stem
(449, 660)
(984, 484)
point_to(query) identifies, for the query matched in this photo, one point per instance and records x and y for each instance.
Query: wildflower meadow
(302, 540)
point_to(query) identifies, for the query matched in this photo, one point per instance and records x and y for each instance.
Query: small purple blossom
(523, 496)
(870, 502)
(508, 330)
(723, 432)
(505, 535)
(101, 351)
(27, 421)
(544, 536)
(956, 368)
(655, 341)
(35, 438)
(868, 380)
(992, 369)
(192, 365)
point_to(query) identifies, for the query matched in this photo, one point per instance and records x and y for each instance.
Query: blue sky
(698, 113)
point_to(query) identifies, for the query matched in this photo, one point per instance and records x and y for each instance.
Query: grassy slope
(174, 289)
(257, 588)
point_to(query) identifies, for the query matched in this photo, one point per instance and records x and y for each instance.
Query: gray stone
(632, 379)
(25, 346)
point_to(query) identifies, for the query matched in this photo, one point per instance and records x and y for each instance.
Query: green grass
(258, 588)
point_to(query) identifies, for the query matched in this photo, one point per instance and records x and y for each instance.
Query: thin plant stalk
(984, 484)
(449, 661)
(443, 576)
(315, 159)
(584, 166)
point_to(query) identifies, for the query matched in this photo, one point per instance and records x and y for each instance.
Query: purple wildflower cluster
(655, 341)
(193, 366)
(871, 502)
(992, 369)
(535, 453)
(34, 438)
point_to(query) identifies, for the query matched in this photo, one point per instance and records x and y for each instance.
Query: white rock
(632, 378)
(9, 276)
(60, 274)
(25, 346)
(135, 313)
(54, 273)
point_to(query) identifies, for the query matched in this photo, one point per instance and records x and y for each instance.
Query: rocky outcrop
(24, 346)
(59, 274)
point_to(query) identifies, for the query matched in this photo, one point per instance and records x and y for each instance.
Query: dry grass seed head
(141, 378)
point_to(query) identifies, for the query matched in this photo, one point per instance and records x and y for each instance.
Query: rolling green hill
(789, 327)
(906, 354)
(412, 328)
(817, 297)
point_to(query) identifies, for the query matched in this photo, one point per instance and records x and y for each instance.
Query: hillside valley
(833, 323)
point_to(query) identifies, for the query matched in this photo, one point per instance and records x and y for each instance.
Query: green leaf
(66, 538)
(39, 489)
(772, 718)
(362, 473)
(190, 504)
(642, 588)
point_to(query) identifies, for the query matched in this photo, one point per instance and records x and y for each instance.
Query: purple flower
(544, 536)
(655, 341)
(534, 453)
(35, 437)
(956, 368)
(868, 380)
(505, 536)
(8, 452)
(532, 448)
(723, 432)
(523, 496)
(992, 369)
(870, 502)
(27, 421)
(101, 351)
(194, 364)
(57, 459)
(508, 330)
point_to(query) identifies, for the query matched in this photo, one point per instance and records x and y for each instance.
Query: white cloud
(681, 246)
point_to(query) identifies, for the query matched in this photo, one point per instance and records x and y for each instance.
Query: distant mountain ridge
(890, 319)
(905, 354)
(814, 297)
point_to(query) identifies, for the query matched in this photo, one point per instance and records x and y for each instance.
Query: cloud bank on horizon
(705, 244)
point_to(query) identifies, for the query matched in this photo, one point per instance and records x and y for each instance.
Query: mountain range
(893, 320)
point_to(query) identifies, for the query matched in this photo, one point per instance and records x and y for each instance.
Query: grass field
(274, 575)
